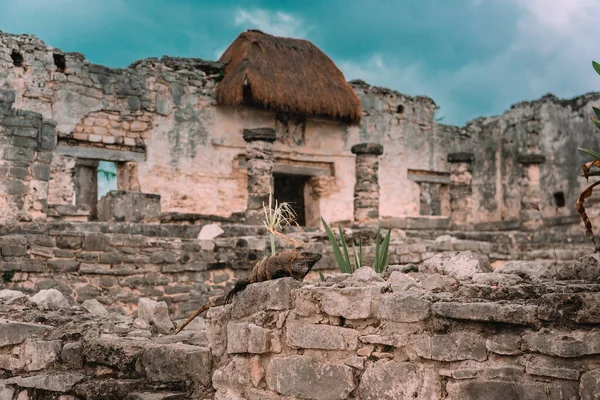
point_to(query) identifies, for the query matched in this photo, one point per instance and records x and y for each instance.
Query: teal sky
(473, 57)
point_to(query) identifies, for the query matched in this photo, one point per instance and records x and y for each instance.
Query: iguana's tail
(239, 286)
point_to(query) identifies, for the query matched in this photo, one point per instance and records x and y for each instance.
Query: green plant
(587, 192)
(278, 217)
(343, 259)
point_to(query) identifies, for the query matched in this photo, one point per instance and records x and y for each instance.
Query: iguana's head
(303, 263)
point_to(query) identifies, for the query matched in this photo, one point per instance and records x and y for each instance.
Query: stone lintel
(461, 157)
(531, 158)
(101, 154)
(367, 148)
(264, 134)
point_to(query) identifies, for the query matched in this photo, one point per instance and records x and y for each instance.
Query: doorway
(291, 188)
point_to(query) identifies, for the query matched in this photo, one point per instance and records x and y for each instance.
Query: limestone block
(586, 268)
(508, 344)
(491, 312)
(155, 313)
(272, 295)
(498, 390)
(72, 355)
(250, 338)
(128, 206)
(155, 396)
(210, 231)
(563, 344)
(495, 279)
(233, 376)
(461, 265)
(525, 269)
(50, 299)
(450, 347)
(58, 382)
(403, 307)
(391, 380)
(10, 296)
(349, 303)
(304, 377)
(177, 363)
(115, 352)
(93, 306)
(589, 387)
(402, 282)
(38, 355)
(318, 336)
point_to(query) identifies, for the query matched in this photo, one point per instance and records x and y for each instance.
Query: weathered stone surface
(235, 375)
(497, 390)
(589, 387)
(563, 344)
(560, 373)
(113, 351)
(38, 355)
(157, 396)
(272, 295)
(525, 269)
(128, 206)
(9, 296)
(155, 313)
(50, 299)
(249, 338)
(461, 265)
(585, 268)
(450, 347)
(58, 382)
(304, 377)
(403, 307)
(318, 336)
(496, 279)
(72, 355)
(508, 344)
(93, 306)
(176, 363)
(364, 274)
(12, 332)
(492, 312)
(395, 380)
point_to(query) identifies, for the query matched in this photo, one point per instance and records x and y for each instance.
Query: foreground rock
(460, 265)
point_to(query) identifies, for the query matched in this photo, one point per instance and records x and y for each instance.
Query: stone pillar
(260, 161)
(461, 189)
(366, 189)
(531, 218)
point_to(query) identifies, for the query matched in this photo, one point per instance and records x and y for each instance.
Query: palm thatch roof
(285, 75)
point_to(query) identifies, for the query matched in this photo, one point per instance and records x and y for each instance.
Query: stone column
(86, 184)
(366, 189)
(461, 189)
(531, 218)
(260, 161)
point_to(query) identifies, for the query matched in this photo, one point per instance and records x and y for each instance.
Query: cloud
(550, 51)
(276, 23)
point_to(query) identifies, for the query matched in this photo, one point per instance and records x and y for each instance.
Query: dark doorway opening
(290, 189)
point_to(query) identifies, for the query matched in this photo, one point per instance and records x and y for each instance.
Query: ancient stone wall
(449, 328)
(118, 263)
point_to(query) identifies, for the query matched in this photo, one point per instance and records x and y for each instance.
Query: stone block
(115, 352)
(177, 363)
(57, 382)
(461, 265)
(450, 347)
(303, 377)
(41, 172)
(14, 251)
(12, 332)
(531, 270)
(586, 268)
(391, 380)
(96, 242)
(272, 295)
(499, 390)
(63, 265)
(508, 344)
(72, 355)
(403, 307)
(156, 314)
(318, 336)
(589, 386)
(93, 306)
(349, 302)
(38, 355)
(488, 312)
(50, 299)
(128, 206)
(563, 344)
(249, 338)
(560, 373)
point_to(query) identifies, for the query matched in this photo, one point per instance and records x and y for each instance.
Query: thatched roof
(285, 75)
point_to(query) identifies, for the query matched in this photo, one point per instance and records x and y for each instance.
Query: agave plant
(587, 192)
(342, 256)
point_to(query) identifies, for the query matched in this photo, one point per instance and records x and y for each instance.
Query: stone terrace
(452, 330)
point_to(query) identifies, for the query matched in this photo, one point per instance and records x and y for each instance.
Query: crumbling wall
(548, 127)
(447, 329)
(450, 331)
(185, 265)
(26, 144)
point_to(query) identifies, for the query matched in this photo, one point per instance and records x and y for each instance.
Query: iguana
(289, 263)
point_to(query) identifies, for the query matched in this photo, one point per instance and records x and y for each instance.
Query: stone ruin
(447, 329)
(485, 297)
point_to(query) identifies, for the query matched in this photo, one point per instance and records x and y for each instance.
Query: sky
(472, 57)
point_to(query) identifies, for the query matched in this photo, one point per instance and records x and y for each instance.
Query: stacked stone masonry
(447, 329)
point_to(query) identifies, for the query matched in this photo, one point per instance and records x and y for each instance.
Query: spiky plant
(276, 217)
